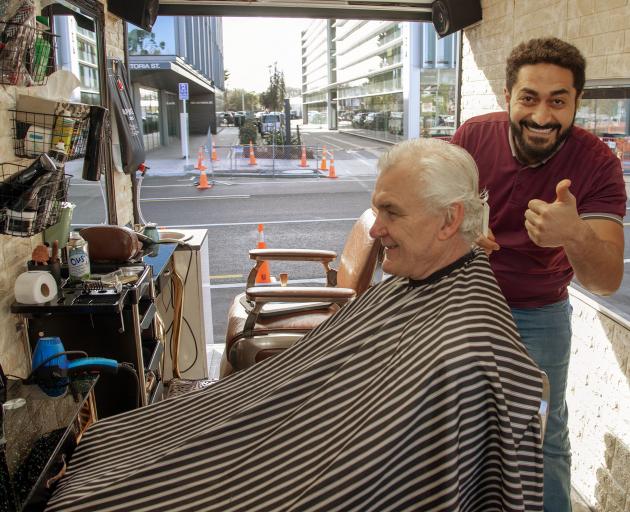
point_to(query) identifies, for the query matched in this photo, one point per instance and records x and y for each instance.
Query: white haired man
(416, 396)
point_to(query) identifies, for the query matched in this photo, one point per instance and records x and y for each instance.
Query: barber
(557, 199)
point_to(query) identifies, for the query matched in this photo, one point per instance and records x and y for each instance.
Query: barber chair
(266, 320)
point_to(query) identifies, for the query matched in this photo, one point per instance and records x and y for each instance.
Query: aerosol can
(78, 259)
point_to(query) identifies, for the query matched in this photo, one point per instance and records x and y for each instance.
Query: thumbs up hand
(552, 224)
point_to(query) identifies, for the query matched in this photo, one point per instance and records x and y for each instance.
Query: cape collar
(444, 271)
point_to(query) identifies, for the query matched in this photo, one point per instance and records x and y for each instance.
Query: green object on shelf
(61, 230)
(40, 62)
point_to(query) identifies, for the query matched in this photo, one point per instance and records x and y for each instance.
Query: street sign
(183, 90)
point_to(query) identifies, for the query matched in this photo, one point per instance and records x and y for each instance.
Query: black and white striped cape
(417, 396)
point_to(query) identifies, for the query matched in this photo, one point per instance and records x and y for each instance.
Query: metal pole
(184, 131)
(287, 122)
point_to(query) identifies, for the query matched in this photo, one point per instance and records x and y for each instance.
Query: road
(305, 212)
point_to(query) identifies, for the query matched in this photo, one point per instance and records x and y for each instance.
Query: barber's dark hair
(550, 50)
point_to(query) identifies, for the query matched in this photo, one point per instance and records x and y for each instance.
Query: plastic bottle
(58, 154)
(78, 258)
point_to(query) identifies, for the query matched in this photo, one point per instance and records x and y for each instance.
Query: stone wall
(15, 251)
(115, 48)
(598, 396)
(599, 388)
(599, 28)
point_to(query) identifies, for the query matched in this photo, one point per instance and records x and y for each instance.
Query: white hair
(446, 174)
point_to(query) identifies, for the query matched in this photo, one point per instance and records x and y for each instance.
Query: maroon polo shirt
(532, 276)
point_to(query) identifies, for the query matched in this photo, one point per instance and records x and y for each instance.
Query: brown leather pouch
(111, 243)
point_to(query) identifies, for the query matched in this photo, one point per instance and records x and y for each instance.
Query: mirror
(79, 29)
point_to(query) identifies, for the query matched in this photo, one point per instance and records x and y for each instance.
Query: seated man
(417, 396)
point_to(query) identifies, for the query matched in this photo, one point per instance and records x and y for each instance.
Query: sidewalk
(233, 159)
(168, 160)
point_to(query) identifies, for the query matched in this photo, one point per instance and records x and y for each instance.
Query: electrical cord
(192, 334)
(129, 368)
(194, 344)
(50, 358)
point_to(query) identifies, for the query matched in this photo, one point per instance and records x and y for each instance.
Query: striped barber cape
(417, 396)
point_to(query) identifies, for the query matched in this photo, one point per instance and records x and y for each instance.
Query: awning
(166, 71)
(409, 10)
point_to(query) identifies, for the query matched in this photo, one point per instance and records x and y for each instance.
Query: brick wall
(115, 48)
(598, 396)
(599, 28)
(15, 251)
(599, 387)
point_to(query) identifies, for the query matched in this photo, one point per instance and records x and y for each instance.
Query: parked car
(358, 120)
(271, 122)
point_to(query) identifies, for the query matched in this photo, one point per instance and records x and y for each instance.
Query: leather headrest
(111, 243)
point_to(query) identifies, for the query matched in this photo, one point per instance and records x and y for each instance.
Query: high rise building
(383, 79)
(179, 49)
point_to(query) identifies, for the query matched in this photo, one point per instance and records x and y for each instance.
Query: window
(605, 111)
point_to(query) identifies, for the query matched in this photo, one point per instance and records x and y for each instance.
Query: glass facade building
(77, 52)
(179, 49)
(388, 80)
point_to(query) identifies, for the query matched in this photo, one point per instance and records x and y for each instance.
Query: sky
(251, 45)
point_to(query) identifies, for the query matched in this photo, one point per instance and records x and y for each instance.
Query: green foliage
(277, 138)
(236, 97)
(248, 131)
(273, 98)
(141, 42)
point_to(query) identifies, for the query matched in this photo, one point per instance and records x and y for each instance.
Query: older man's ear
(452, 220)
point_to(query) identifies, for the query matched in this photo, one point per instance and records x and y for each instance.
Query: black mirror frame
(95, 10)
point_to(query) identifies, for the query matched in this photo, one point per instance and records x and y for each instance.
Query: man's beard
(537, 152)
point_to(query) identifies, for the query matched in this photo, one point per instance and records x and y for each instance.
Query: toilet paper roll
(35, 287)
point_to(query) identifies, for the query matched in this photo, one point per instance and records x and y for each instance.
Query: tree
(235, 99)
(291, 92)
(273, 98)
(141, 42)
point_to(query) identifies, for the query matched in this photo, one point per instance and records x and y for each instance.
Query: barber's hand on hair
(551, 224)
(488, 243)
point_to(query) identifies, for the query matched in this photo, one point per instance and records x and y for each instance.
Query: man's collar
(515, 154)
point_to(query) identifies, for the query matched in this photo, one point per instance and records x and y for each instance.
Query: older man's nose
(376, 231)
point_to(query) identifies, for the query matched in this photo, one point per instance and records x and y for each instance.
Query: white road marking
(275, 183)
(224, 224)
(202, 198)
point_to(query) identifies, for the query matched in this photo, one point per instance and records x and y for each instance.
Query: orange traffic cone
(252, 157)
(214, 153)
(262, 276)
(322, 166)
(200, 166)
(203, 181)
(303, 162)
(331, 170)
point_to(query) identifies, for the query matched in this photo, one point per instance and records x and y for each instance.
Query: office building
(388, 80)
(179, 49)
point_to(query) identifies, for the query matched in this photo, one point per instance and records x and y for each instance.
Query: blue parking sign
(183, 91)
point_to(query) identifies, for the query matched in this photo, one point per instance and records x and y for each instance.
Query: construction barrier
(279, 161)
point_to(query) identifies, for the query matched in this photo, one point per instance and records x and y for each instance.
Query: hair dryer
(52, 370)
